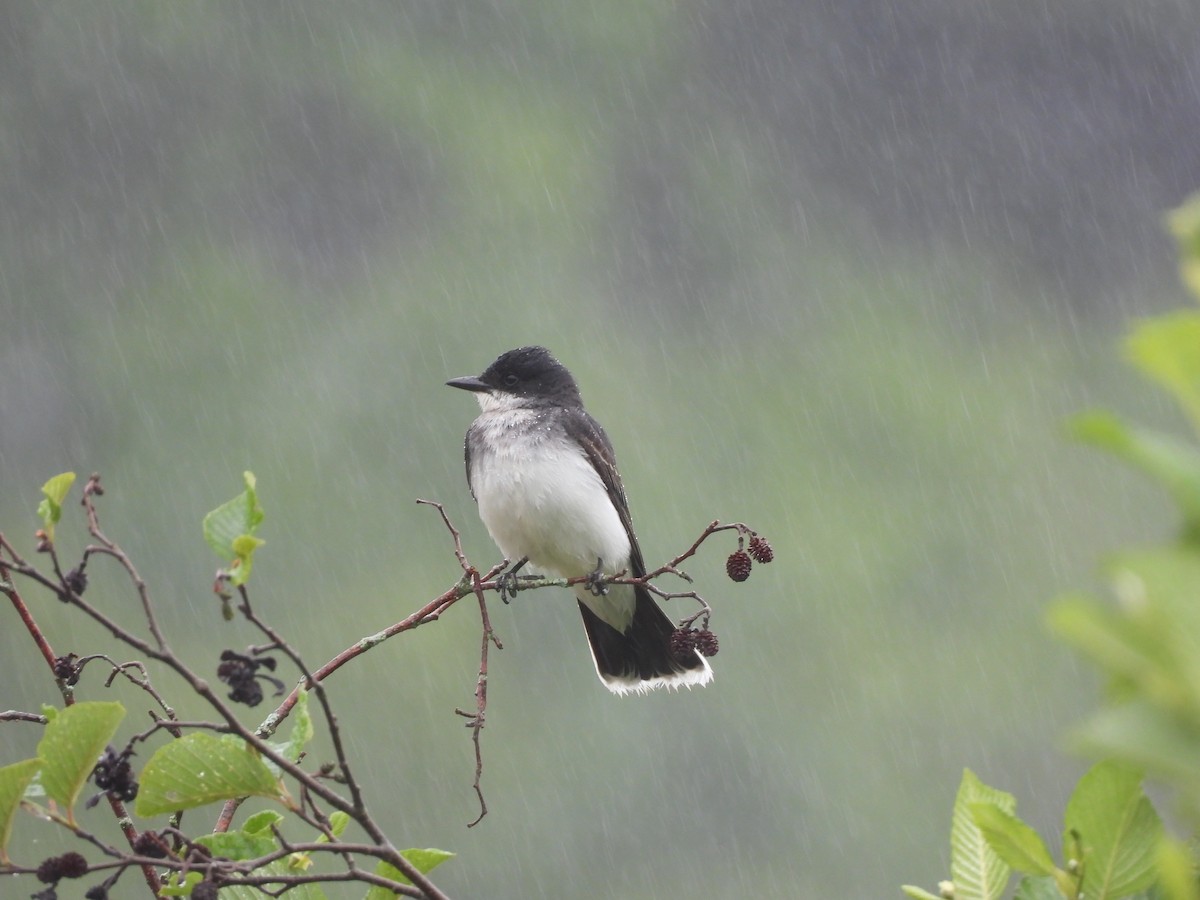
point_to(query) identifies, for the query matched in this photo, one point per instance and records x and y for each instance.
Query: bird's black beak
(469, 383)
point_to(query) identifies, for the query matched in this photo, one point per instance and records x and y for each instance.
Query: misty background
(838, 270)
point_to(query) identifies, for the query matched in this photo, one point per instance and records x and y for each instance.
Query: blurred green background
(837, 270)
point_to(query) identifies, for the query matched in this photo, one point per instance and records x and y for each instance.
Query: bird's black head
(528, 372)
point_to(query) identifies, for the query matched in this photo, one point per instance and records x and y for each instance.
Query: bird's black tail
(639, 659)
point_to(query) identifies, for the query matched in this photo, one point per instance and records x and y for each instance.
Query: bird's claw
(595, 581)
(508, 584)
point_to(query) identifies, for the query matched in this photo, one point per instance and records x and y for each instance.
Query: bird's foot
(509, 583)
(595, 580)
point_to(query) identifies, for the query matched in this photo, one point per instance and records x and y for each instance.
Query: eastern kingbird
(545, 478)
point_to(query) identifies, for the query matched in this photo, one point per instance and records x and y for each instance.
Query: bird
(544, 477)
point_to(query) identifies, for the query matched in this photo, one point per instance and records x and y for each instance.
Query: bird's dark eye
(510, 380)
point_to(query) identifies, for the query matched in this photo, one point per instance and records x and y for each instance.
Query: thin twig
(476, 720)
(16, 715)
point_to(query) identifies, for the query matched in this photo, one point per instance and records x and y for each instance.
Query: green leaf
(424, 860)
(302, 728)
(238, 845)
(50, 509)
(1167, 348)
(337, 824)
(1145, 736)
(1184, 224)
(262, 822)
(1176, 871)
(13, 781)
(1014, 841)
(1158, 590)
(174, 889)
(1170, 461)
(255, 838)
(918, 893)
(71, 745)
(300, 735)
(1127, 645)
(1037, 887)
(200, 768)
(1150, 640)
(230, 528)
(1118, 827)
(977, 871)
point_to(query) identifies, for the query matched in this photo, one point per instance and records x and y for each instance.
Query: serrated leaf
(424, 860)
(1170, 461)
(55, 492)
(71, 745)
(198, 769)
(13, 781)
(918, 893)
(1119, 830)
(229, 530)
(977, 871)
(1167, 348)
(1014, 841)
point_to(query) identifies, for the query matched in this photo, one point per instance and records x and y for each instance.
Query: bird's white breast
(540, 497)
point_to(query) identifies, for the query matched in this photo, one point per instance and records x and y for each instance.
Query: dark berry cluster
(761, 550)
(242, 674)
(151, 844)
(114, 775)
(707, 643)
(76, 580)
(738, 566)
(67, 668)
(205, 890)
(69, 865)
(685, 641)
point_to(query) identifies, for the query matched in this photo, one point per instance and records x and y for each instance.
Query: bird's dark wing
(467, 462)
(582, 428)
